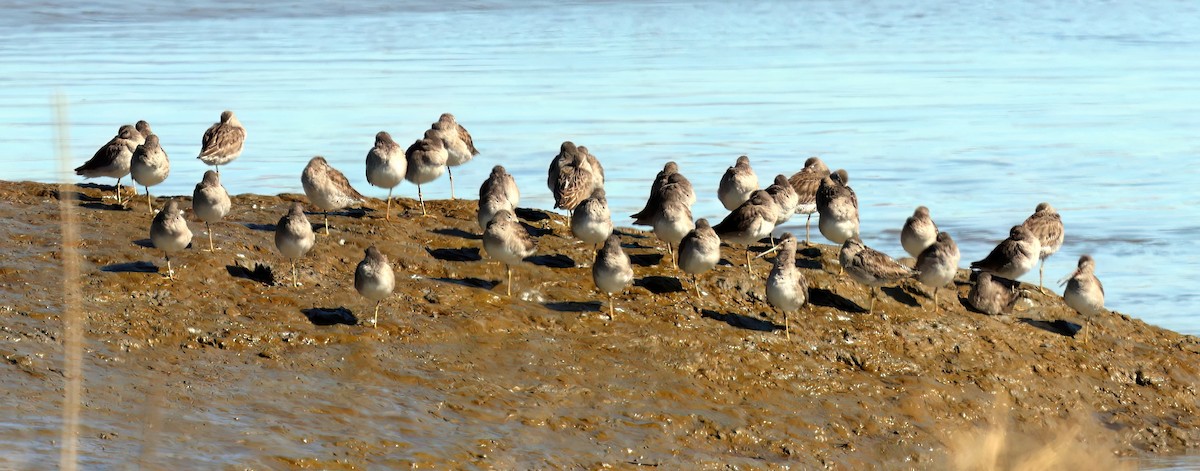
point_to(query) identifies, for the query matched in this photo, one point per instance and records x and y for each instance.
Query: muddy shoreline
(219, 369)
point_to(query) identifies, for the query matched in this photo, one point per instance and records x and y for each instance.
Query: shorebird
(149, 166)
(222, 141)
(566, 155)
(374, 279)
(210, 202)
(918, 232)
(498, 192)
(1084, 292)
(749, 223)
(327, 188)
(669, 212)
(144, 132)
(460, 148)
(597, 169)
(591, 221)
(1046, 224)
(507, 241)
(785, 197)
(670, 168)
(386, 166)
(294, 236)
(699, 251)
(838, 206)
(738, 182)
(113, 159)
(1013, 257)
(507, 186)
(805, 183)
(489, 205)
(787, 288)
(611, 271)
(574, 178)
(871, 267)
(169, 232)
(938, 264)
(426, 161)
(993, 295)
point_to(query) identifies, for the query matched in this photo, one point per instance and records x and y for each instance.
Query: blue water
(979, 110)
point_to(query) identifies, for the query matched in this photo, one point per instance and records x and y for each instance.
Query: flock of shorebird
(576, 179)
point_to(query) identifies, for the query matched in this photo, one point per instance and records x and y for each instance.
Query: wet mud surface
(230, 367)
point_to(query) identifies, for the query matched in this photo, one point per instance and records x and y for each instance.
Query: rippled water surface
(979, 110)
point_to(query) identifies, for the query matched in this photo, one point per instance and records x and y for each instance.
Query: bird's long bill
(1068, 277)
(769, 251)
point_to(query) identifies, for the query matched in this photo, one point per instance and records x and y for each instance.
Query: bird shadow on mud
(146, 243)
(741, 321)
(130, 267)
(901, 296)
(464, 254)
(645, 259)
(826, 298)
(1059, 326)
(325, 316)
(259, 273)
(105, 206)
(261, 227)
(470, 282)
(534, 230)
(357, 213)
(452, 232)
(552, 261)
(811, 264)
(659, 284)
(532, 215)
(573, 306)
(809, 252)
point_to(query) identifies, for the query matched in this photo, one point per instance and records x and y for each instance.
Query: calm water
(978, 110)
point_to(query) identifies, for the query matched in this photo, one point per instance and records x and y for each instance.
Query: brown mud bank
(219, 369)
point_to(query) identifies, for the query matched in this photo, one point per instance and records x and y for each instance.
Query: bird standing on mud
(871, 267)
(1047, 225)
(169, 232)
(210, 202)
(327, 188)
(426, 160)
(612, 271)
(460, 148)
(1085, 293)
(749, 223)
(805, 184)
(787, 288)
(294, 236)
(507, 241)
(113, 159)
(149, 166)
(386, 166)
(374, 279)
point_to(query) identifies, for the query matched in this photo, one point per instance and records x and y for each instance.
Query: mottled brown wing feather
(466, 137)
(881, 265)
(806, 182)
(103, 156)
(1000, 255)
(222, 140)
(339, 180)
(852, 196)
